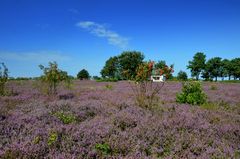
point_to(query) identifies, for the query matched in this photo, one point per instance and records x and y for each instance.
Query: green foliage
(108, 86)
(104, 148)
(161, 65)
(64, 117)
(236, 68)
(83, 74)
(53, 76)
(192, 93)
(96, 78)
(107, 80)
(197, 65)
(144, 71)
(129, 62)
(214, 67)
(3, 78)
(123, 66)
(144, 90)
(52, 138)
(213, 87)
(182, 76)
(111, 68)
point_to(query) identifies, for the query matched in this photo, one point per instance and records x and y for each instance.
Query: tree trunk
(215, 79)
(197, 77)
(229, 77)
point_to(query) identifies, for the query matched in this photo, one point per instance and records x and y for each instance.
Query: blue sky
(85, 33)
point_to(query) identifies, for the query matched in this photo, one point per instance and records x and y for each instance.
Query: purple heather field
(105, 114)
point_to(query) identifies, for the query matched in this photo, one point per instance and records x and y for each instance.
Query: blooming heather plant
(111, 120)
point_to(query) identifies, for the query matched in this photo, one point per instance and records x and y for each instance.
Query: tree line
(124, 66)
(214, 68)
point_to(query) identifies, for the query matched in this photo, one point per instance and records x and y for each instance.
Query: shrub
(3, 78)
(64, 117)
(52, 138)
(107, 80)
(103, 148)
(192, 93)
(53, 76)
(182, 76)
(108, 86)
(213, 87)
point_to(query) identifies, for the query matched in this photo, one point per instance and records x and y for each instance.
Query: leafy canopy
(197, 65)
(83, 74)
(52, 76)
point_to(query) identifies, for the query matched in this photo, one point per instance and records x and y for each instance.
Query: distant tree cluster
(214, 67)
(124, 66)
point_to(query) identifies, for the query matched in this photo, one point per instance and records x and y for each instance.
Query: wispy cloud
(100, 30)
(39, 56)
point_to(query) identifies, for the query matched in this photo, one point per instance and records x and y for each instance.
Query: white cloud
(102, 31)
(39, 56)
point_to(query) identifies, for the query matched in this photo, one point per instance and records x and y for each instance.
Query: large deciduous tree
(129, 62)
(182, 76)
(83, 74)
(197, 65)
(111, 68)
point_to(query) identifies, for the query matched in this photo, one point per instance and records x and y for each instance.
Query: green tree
(182, 76)
(111, 68)
(213, 67)
(206, 75)
(229, 67)
(223, 72)
(236, 68)
(83, 74)
(167, 70)
(3, 78)
(53, 76)
(197, 65)
(129, 62)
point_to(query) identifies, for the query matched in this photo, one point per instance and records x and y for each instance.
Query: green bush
(52, 138)
(213, 87)
(103, 148)
(192, 93)
(65, 118)
(107, 80)
(108, 86)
